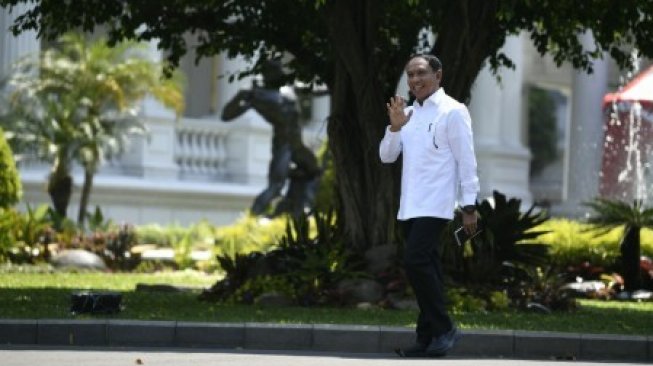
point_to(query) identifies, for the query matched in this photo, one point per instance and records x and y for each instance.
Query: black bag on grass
(88, 302)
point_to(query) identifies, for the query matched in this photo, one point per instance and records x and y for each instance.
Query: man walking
(434, 136)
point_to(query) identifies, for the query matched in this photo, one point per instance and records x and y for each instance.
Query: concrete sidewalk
(122, 356)
(317, 337)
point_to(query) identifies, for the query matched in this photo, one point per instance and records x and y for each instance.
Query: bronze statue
(281, 111)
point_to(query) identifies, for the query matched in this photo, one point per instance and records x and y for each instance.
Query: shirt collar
(435, 98)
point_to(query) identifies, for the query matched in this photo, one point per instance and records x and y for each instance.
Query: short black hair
(433, 61)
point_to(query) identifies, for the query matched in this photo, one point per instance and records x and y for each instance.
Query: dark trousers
(424, 271)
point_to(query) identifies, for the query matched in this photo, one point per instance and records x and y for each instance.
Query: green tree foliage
(10, 185)
(358, 49)
(78, 103)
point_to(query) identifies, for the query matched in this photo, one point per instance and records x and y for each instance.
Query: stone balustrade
(179, 172)
(200, 150)
(188, 150)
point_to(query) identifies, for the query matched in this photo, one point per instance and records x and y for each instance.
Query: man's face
(422, 80)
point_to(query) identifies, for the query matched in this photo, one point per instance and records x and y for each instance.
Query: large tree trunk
(368, 190)
(466, 39)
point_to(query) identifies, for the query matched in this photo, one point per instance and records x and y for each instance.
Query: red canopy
(639, 89)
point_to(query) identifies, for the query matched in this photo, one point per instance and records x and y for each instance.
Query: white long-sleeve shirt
(438, 158)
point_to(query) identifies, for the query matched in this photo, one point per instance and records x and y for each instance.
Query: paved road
(184, 357)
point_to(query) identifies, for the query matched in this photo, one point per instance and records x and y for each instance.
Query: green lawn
(47, 295)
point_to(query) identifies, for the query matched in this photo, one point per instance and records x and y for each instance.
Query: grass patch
(47, 295)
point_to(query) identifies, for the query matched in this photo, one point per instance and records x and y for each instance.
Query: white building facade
(199, 167)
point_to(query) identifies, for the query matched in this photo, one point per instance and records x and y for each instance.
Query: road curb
(318, 337)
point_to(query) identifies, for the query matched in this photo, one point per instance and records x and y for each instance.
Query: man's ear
(438, 75)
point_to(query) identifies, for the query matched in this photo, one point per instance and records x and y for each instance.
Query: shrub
(182, 240)
(543, 290)
(24, 236)
(249, 234)
(326, 197)
(505, 230)
(310, 259)
(252, 288)
(10, 185)
(159, 235)
(96, 221)
(460, 300)
(8, 223)
(572, 242)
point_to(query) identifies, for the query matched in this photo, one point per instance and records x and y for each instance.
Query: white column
(585, 135)
(13, 48)
(512, 96)
(514, 119)
(497, 110)
(485, 109)
(201, 79)
(152, 156)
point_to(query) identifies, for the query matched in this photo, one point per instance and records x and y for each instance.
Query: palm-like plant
(79, 104)
(609, 214)
(511, 228)
(508, 237)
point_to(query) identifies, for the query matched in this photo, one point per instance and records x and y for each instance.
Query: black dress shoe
(416, 350)
(443, 344)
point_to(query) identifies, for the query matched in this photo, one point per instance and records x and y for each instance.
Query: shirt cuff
(468, 199)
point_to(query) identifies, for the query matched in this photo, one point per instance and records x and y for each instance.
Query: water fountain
(625, 178)
(628, 144)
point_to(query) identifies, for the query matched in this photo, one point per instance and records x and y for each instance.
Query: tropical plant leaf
(610, 213)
